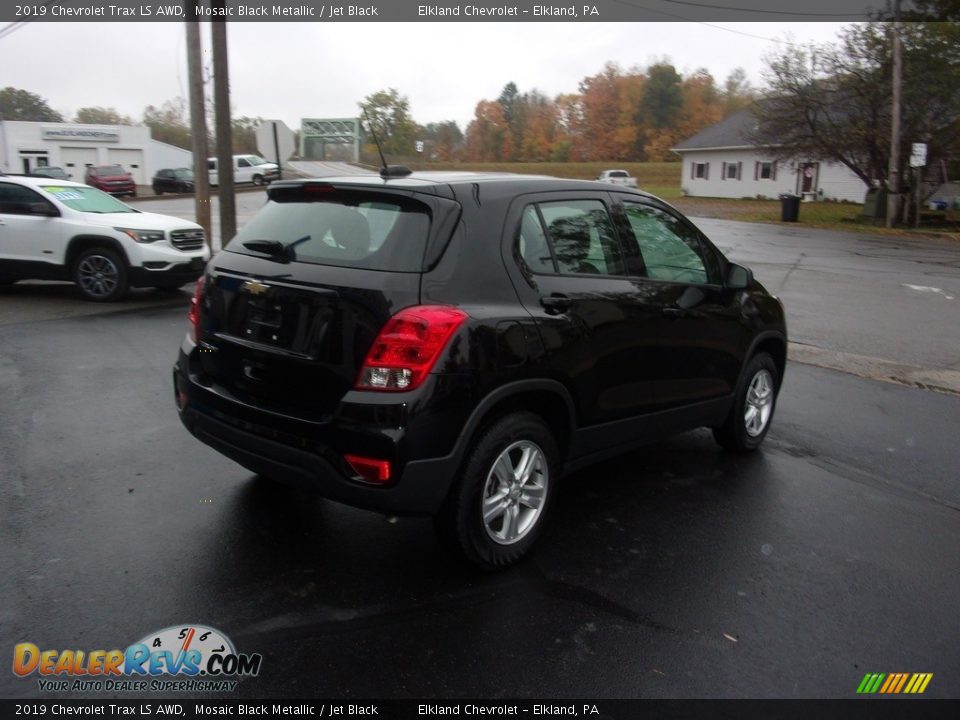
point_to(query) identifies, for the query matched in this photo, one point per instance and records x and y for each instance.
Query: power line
(14, 26)
(755, 10)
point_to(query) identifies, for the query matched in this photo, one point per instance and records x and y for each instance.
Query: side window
(532, 243)
(211, 164)
(582, 238)
(16, 199)
(671, 250)
(243, 162)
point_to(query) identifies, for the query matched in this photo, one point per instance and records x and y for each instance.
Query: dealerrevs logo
(180, 657)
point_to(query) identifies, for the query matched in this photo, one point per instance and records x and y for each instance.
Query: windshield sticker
(65, 194)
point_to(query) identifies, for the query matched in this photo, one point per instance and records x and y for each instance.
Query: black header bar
(446, 11)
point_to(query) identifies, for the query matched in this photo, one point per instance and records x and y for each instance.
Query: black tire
(112, 283)
(736, 433)
(157, 190)
(461, 523)
(258, 180)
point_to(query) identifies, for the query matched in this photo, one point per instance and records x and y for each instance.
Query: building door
(808, 177)
(132, 161)
(33, 159)
(76, 159)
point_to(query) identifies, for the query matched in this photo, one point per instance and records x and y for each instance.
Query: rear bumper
(309, 454)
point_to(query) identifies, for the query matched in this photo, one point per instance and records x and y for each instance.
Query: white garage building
(25, 146)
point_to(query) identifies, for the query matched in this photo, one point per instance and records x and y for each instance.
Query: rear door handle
(556, 303)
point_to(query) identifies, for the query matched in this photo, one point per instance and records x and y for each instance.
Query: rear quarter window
(345, 230)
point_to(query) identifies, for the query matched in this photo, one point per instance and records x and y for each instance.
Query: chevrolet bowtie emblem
(254, 287)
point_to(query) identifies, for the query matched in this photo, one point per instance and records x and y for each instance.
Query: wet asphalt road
(676, 571)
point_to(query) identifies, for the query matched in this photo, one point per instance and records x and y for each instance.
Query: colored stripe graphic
(894, 683)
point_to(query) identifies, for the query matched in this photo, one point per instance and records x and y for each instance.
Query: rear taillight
(194, 313)
(407, 347)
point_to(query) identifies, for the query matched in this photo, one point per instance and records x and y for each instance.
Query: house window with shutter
(766, 171)
(731, 171)
(701, 171)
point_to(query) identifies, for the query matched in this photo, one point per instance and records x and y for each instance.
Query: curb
(871, 368)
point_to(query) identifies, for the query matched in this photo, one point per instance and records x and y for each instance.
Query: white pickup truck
(617, 177)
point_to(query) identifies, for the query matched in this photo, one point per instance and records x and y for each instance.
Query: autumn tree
(101, 116)
(541, 128)
(662, 96)
(488, 134)
(513, 114)
(388, 113)
(610, 106)
(444, 140)
(16, 104)
(169, 123)
(244, 131)
(569, 114)
(737, 93)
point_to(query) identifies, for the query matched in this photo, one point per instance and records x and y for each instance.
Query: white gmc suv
(61, 230)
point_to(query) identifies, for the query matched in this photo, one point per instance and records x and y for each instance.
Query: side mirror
(43, 208)
(738, 277)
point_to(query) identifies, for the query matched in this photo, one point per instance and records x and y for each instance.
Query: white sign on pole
(419, 145)
(918, 155)
(284, 140)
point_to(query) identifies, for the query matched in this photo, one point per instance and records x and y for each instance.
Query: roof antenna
(386, 171)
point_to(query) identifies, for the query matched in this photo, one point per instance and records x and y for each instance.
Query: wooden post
(893, 174)
(198, 127)
(224, 128)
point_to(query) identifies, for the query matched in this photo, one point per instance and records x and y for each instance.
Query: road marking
(927, 289)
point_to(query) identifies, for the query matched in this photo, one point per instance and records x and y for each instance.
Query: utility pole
(893, 174)
(198, 126)
(224, 128)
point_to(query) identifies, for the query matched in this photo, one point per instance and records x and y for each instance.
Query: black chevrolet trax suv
(451, 344)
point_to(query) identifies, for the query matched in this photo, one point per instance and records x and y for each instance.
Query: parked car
(62, 230)
(179, 180)
(111, 179)
(451, 344)
(246, 169)
(618, 177)
(57, 173)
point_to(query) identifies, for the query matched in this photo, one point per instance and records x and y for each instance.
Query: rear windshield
(618, 173)
(344, 229)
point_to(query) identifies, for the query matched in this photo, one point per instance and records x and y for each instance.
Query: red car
(111, 179)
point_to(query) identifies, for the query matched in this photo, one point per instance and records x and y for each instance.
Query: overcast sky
(288, 71)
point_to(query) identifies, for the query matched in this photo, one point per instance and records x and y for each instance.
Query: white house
(721, 161)
(25, 146)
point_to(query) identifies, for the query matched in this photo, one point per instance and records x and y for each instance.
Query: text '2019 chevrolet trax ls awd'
(451, 344)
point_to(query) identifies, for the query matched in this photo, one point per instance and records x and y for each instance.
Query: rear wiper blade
(274, 248)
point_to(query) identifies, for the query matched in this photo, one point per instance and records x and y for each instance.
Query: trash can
(789, 207)
(875, 203)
